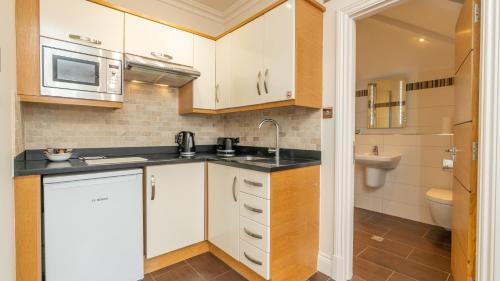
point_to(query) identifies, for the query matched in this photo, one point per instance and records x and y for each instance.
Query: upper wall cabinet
(275, 58)
(82, 22)
(204, 61)
(157, 41)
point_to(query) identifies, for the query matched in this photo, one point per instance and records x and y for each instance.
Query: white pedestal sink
(376, 167)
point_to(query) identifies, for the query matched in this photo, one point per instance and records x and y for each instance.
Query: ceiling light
(161, 85)
(421, 39)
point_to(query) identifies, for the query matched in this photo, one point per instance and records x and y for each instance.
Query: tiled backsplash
(150, 118)
(403, 194)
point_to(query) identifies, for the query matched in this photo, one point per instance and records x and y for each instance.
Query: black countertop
(33, 163)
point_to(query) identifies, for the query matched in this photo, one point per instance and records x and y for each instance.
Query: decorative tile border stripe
(444, 82)
(415, 86)
(362, 93)
(387, 104)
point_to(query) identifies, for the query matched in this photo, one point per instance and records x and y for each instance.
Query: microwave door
(73, 71)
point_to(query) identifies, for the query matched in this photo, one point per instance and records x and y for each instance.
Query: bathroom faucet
(275, 150)
(375, 150)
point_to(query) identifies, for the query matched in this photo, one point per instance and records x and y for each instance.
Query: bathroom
(405, 118)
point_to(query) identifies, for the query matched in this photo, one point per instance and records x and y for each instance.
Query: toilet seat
(439, 195)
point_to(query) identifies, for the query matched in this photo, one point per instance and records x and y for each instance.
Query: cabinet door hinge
(477, 13)
(475, 150)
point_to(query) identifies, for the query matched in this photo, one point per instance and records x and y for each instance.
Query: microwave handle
(85, 39)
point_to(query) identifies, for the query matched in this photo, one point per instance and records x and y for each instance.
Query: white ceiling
(388, 43)
(219, 5)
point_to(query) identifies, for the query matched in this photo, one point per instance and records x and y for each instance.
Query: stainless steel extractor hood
(158, 72)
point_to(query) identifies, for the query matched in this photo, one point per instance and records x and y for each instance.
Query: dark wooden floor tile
(148, 277)
(184, 273)
(422, 272)
(430, 259)
(382, 258)
(400, 277)
(370, 271)
(230, 276)
(208, 265)
(357, 278)
(358, 245)
(371, 228)
(360, 214)
(450, 278)
(439, 234)
(391, 246)
(419, 242)
(168, 268)
(318, 276)
(398, 224)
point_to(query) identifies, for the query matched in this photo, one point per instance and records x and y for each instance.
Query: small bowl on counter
(58, 154)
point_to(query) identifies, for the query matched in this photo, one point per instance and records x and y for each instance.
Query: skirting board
(331, 266)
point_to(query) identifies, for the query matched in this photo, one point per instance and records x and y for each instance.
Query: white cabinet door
(175, 207)
(247, 64)
(80, 21)
(157, 41)
(279, 53)
(204, 61)
(223, 78)
(223, 212)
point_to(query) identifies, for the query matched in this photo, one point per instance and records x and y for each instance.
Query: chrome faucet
(375, 150)
(275, 150)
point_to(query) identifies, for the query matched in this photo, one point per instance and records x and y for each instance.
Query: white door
(223, 77)
(204, 61)
(279, 53)
(157, 41)
(175, 207)
(93, 226)
(82, 22)
(247, 64)
(223, 208)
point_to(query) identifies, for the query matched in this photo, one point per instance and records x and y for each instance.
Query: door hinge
(475, 150)
(477, 13)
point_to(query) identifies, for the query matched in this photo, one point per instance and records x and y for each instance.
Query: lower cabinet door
(175, 200)
(223, 208)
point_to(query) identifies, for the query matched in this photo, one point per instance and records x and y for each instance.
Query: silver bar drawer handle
(266, 76)
(234, 190)
(252, 209)
(153, 187)
(85, 39)
(252, 259)
(252, 183)
(162, 56)
(251, 234)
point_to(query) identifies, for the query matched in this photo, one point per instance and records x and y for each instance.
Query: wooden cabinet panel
(175, 200)
(464, 93)
(247, 64)
(153, 40)
(279, 54)
(463, 161)
(223, 215)
(204, 61)
(60, 19)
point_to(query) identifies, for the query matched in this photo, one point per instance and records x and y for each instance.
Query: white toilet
(441, 203)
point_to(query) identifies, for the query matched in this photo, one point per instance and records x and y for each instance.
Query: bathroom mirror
(387, 104)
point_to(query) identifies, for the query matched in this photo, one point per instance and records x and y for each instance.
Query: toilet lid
(439, 195)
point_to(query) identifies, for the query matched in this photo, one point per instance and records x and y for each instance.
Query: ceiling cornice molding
(197, 8)
(238, 8)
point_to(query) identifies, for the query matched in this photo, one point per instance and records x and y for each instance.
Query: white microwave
(76, 71)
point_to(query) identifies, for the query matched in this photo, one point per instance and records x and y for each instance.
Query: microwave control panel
(114, 76)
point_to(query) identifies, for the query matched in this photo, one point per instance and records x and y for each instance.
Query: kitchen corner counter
(35, 165)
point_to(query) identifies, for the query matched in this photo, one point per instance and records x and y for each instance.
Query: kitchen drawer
(255, 234)
(255, 259)
(255, 183)
(254, 208)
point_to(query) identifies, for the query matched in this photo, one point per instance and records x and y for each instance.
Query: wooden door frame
(346, 12)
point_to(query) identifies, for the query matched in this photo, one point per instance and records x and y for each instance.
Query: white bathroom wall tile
(402, 193)
(361, 104)
(416, 213)
(433, 97)
(367, 202)
(418, 155)
(370, 139)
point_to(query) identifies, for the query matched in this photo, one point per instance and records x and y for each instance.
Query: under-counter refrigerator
(93, 226)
